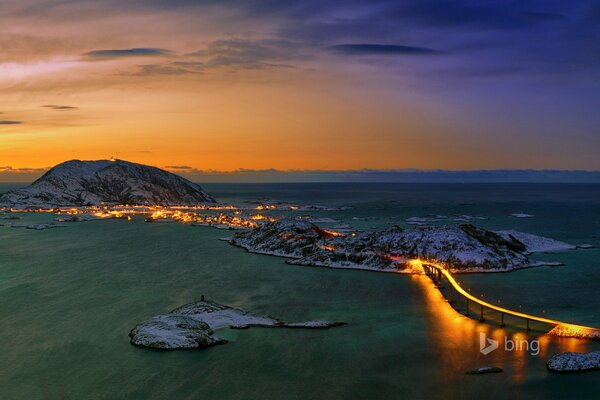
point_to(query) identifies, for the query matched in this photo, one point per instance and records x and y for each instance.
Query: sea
(70, 296)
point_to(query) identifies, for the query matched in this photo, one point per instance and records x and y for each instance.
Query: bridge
(437, 272)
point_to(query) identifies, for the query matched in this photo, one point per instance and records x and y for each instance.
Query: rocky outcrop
(169, 332)
(88, 183)
(461, 248)
(575, 331)
(534, 243)
(193, 326)
(574, 362)
(485, 370)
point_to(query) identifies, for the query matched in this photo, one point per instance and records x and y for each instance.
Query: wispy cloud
(171, 68)
(21, 170)
(8, 122)
(230, 54)
(11, 174)
(249, 53)
(60, 108)
(110, 54)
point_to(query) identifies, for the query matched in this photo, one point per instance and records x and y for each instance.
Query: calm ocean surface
(69, 297)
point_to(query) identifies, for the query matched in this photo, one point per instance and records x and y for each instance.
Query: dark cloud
(179, 167)
(60, 108)
(123, 53)
(380, 49)
(22, 170)
(524, 37)
(477, 14)
(6, 122)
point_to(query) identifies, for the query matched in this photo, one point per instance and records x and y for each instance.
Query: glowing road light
(570, 328)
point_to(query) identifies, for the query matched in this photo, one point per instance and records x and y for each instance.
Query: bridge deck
(506, 311)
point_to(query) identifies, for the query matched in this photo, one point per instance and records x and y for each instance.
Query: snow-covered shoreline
(292, 260)
(193, 326)
(463, 249)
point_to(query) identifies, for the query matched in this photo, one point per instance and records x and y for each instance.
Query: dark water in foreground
(68, 298)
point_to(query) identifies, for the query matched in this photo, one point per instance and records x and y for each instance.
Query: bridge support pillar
(527, 330)
(481, 319)
(501, 319)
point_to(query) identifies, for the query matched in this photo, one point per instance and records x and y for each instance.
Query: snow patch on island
(574, 362)
(536, 244)
(522, 215)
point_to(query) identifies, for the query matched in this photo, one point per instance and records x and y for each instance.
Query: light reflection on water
(456, 338)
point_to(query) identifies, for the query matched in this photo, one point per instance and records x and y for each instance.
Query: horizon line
(365, 175)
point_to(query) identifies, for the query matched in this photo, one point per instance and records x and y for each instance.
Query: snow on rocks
(76, 218)
(37, 227)
(193, 326)
(173, 332)
(86, 183)
(574, 362)
(485, 370)
(428, 219)
(469, 218)
(534, 243)
(422, 220)
(315, 324)
(522, 215)
(462, 248)
(585, 246)
(320, 220)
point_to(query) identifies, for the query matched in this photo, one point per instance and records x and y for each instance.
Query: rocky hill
(87, 183)
(463, 248)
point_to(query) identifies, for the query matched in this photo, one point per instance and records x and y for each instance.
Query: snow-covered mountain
(86, 183)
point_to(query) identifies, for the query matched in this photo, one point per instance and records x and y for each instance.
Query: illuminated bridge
(437, 272)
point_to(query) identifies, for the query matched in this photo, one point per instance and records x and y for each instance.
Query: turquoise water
(69, 296)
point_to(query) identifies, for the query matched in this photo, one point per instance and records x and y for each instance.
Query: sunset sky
(317, 85)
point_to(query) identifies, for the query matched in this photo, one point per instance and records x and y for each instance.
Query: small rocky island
(78, 183)
(463, 248)
(580, 332)
(574, 362)
(193, 326)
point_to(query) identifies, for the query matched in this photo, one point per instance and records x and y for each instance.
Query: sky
(218, 85)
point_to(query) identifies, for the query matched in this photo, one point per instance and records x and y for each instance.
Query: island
(574, 362)
(460, 248)
(193, 326)
(93, 183)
